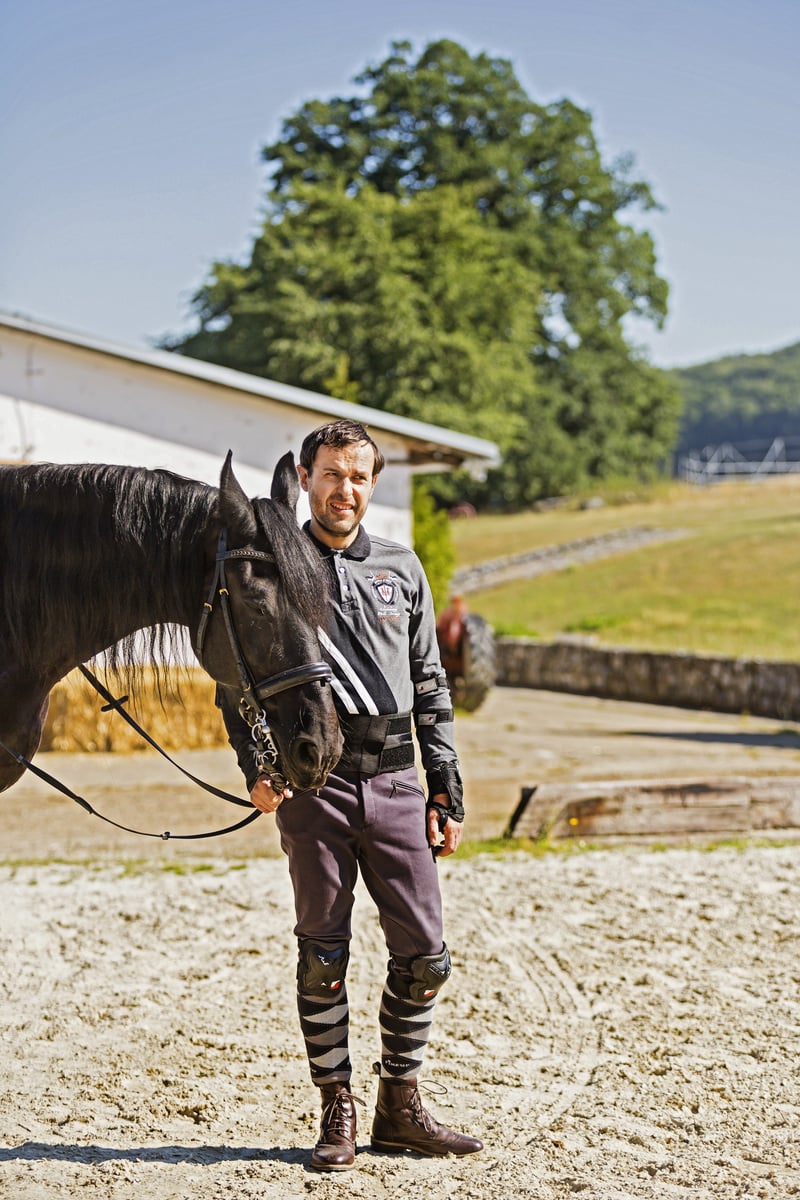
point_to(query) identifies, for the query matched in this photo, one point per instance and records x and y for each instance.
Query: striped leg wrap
(409, 996)
(405, 1029)
(325, 1022)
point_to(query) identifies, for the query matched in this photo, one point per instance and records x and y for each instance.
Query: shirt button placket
(341, 576)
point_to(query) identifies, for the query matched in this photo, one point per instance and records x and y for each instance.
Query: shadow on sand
(786, 740)
(92, 1154)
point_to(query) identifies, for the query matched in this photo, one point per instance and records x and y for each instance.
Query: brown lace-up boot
(402, 1123)
(336, 1148)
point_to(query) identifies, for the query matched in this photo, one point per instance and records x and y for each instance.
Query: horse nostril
(306, 750)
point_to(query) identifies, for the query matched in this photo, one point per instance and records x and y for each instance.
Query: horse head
(263, 644)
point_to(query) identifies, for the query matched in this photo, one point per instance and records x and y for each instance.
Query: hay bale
(180, 717)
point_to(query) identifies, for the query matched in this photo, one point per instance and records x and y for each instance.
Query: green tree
(442, 247)
(433, 543)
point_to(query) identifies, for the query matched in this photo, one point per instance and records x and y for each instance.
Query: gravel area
(621, 1022)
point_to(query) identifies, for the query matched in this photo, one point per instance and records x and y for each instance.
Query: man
(371, 815)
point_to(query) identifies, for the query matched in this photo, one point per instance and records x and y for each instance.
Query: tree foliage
(433, 542)
(440, 246)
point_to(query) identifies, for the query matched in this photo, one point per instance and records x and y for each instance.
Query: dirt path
(620, 1023)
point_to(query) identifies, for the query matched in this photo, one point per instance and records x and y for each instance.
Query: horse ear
(285, 484)
(235, 509)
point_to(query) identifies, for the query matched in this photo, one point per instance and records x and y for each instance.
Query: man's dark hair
(338, 434)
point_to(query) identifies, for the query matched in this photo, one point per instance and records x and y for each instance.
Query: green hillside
(741, 398)
(729, 587)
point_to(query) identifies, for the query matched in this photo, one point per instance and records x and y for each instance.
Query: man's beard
(338, 526)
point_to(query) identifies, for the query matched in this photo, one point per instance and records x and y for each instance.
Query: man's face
(339, 485)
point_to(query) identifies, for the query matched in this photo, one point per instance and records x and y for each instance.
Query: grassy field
(731, 586)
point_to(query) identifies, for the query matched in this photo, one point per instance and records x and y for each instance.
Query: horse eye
(261, 569)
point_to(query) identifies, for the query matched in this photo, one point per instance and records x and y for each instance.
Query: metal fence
(742, 460)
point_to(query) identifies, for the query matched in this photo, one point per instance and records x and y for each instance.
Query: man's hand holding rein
(264, 798)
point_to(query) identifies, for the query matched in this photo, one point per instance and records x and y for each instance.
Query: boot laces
(338, 1114)
(418, 1109)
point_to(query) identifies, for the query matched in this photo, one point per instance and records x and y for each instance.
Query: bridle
(253, 693)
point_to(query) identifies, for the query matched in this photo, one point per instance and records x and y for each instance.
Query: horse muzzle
(306, 764)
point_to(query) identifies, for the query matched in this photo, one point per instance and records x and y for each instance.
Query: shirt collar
(359, 548)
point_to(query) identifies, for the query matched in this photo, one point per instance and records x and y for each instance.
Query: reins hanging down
(164, 837)
(114, 704)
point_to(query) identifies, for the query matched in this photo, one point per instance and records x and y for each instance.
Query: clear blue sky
(130, 138)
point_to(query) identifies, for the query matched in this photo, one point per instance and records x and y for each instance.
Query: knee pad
(321, 967)
(421, 977)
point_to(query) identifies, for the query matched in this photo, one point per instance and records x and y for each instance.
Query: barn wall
(61, 402)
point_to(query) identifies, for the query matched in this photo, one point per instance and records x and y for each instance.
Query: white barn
(65, 397)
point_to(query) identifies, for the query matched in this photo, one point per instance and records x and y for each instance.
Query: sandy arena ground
(620, 1023)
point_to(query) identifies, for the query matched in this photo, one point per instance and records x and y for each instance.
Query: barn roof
(428, 445)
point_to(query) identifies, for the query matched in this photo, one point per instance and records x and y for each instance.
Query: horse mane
(90, 547)
(87, 543)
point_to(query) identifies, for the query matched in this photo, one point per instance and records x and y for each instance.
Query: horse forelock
(303, 580)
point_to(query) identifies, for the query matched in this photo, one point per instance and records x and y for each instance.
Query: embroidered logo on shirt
(385, 590)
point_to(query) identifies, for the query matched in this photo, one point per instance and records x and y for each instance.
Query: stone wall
(752, 685)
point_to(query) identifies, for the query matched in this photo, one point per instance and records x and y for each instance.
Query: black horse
(93, 554)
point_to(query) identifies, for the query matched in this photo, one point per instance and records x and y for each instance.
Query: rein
(250, 708)
(164, 837)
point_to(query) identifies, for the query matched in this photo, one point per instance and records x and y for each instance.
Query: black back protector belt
(375, 744)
